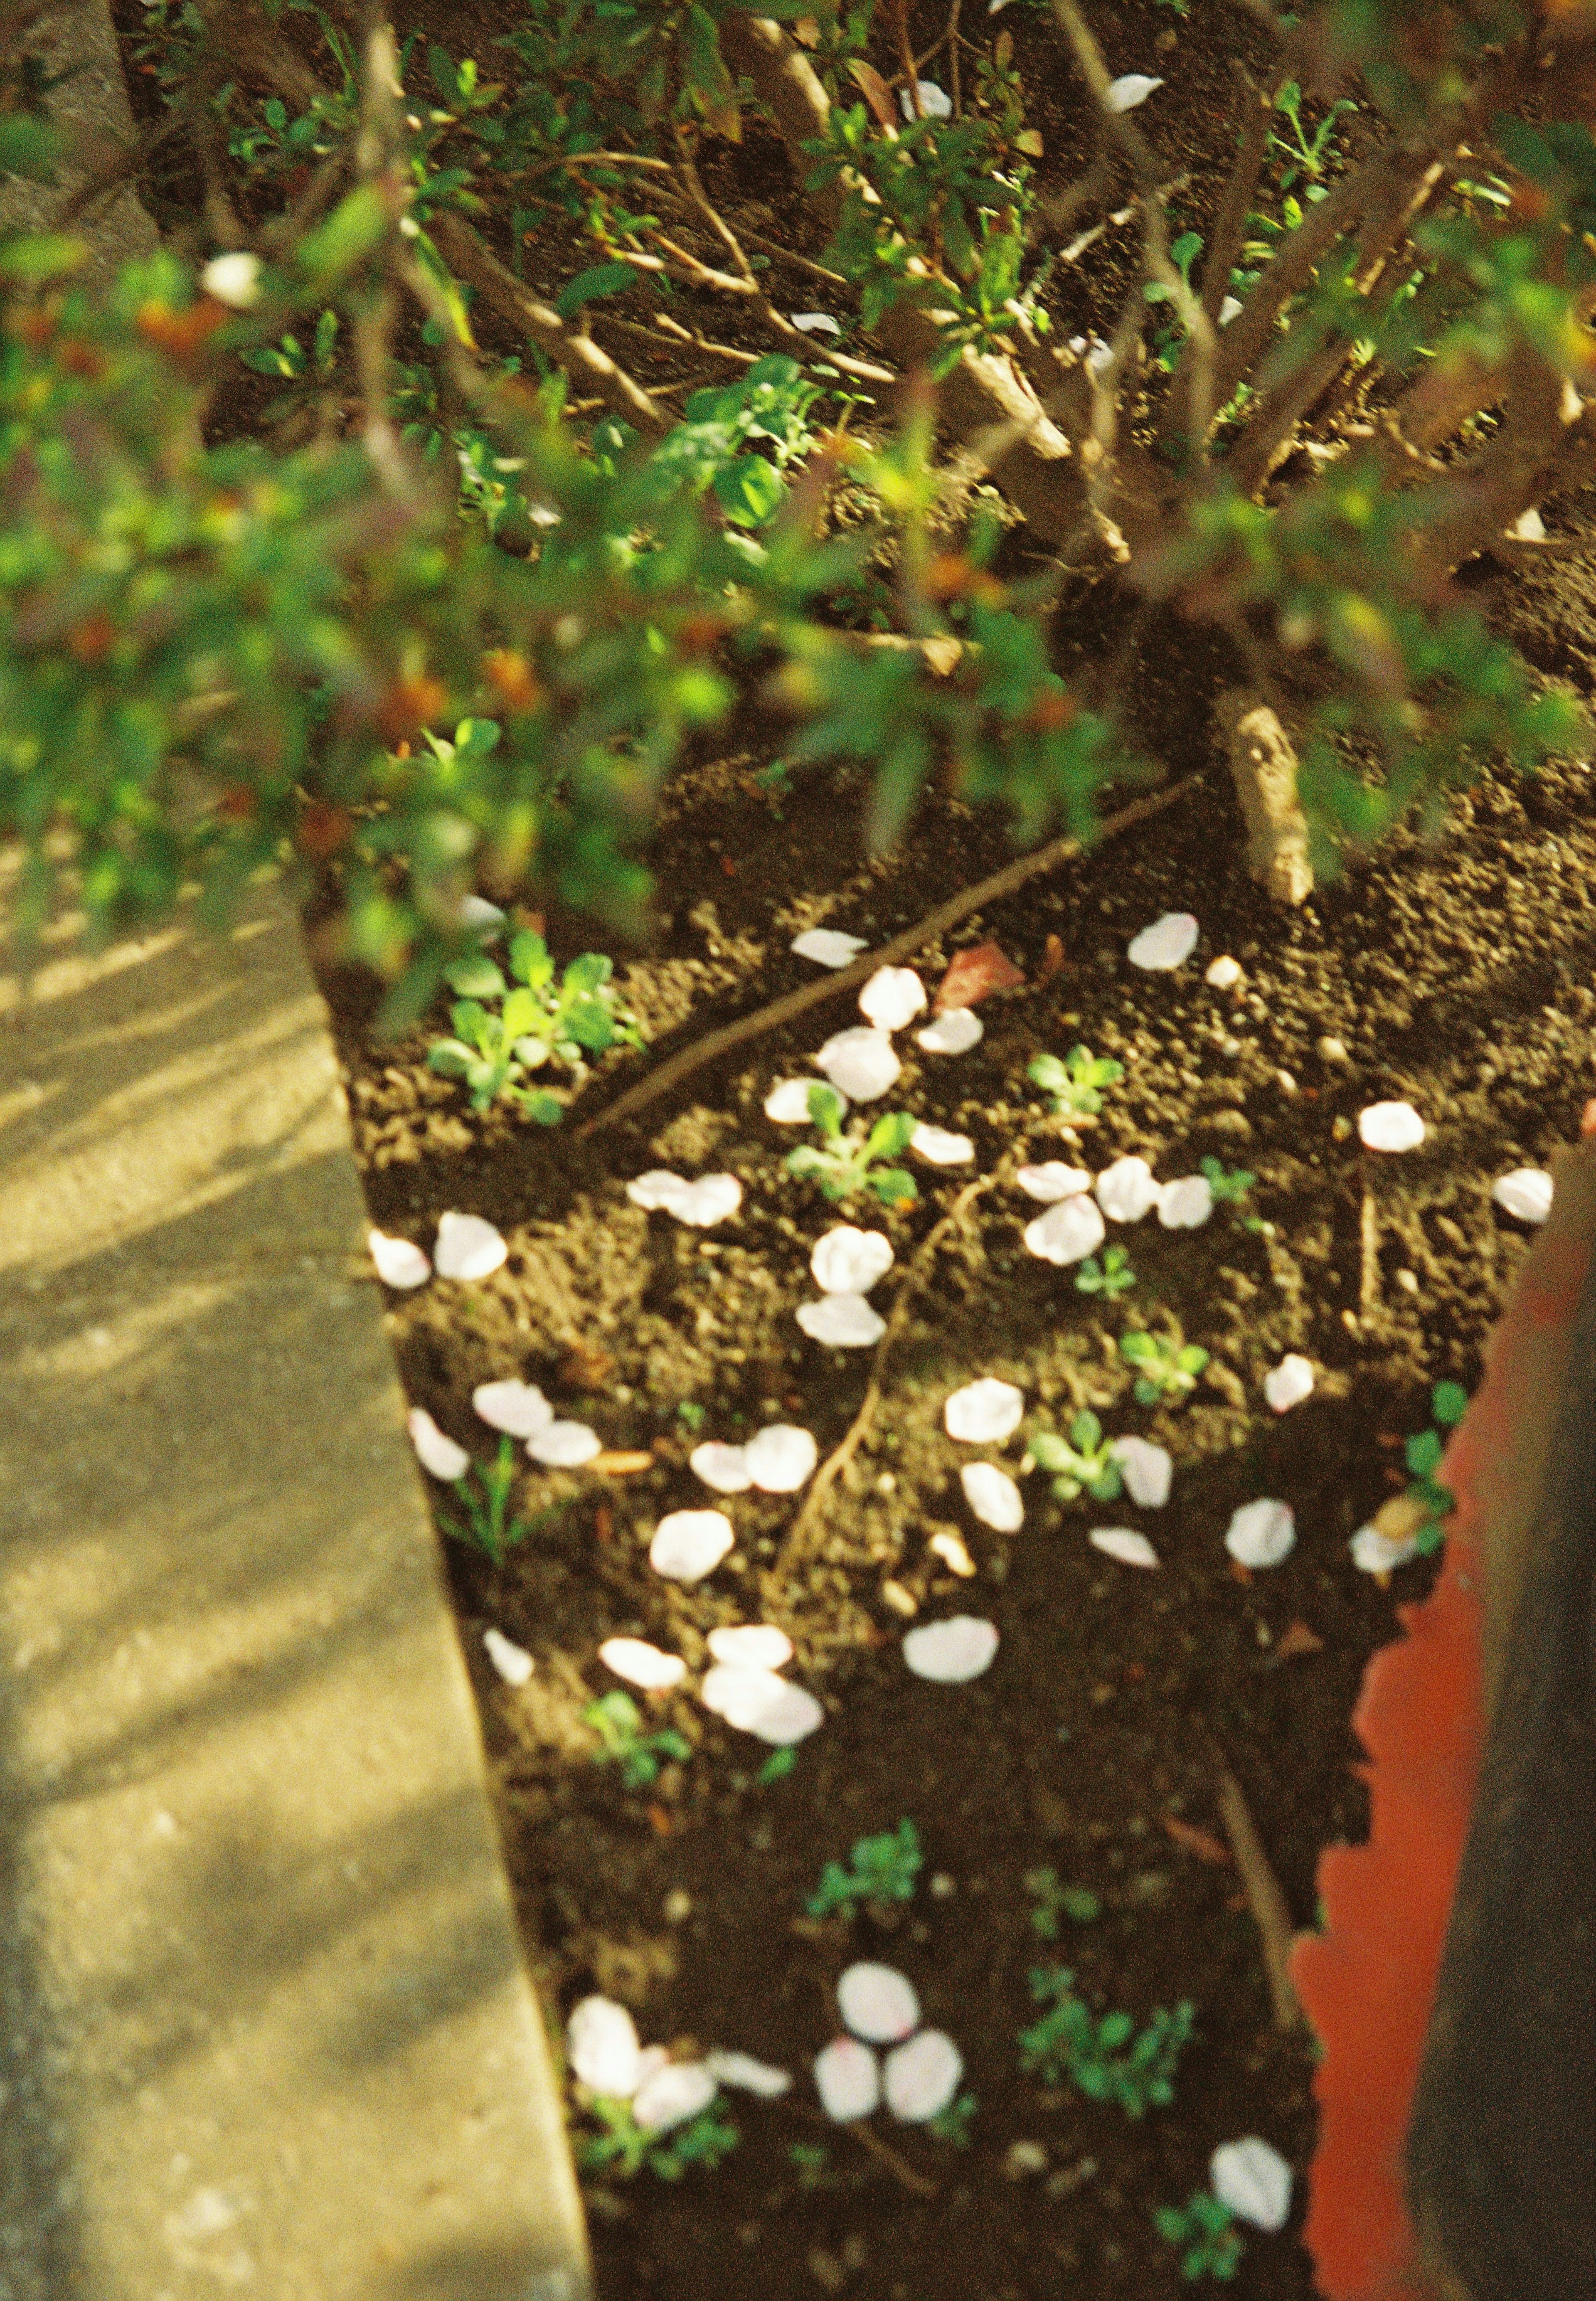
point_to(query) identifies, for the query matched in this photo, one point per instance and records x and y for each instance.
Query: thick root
(1264, 766)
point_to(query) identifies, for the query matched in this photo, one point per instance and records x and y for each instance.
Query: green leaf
(890, 1134)
(749, 490)
(825, 1110)
(587, 287)
(520, 1016)
(1086, 1432)
(449, 1059)
(1423, 1453)
(588, 1023)
(893, 1187)
(545, 1109)
(1449, 1403)
(37, 256)
(588, 973)
(475, 978)
(359, 223)
(530, 960)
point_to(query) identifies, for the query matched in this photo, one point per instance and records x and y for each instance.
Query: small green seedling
(486, 1512)
(1076, 1083)
(1229, 1184)
(618, 1723)
(953, 2123)
(884, 1870)
(493, 1052)
(1203, 2226)
(1167, 1370)
(1054, 1902)
(1112, 1276)
(1306, 157)
(845, 1164)
(1081, 1463)
(776, 1767)
(691, 1416)
(1067, 2040)
(1422, 1454)
(624, 2147)
(812, 2162)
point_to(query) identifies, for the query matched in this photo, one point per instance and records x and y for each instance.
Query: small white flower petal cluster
(847, 1263)
(919, 2076)
(602, 2049)
(701, 1204)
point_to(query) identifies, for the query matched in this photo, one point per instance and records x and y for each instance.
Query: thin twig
(900, 17)
(1368, 1243)
(898, 2167)
(958, 907)
(1270, 1911)
(790, 255)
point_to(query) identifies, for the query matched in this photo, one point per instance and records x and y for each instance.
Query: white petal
(849, 1262)
(1146, 1470)
(467, 1247)
(1129, 90)
(564, 1445)
(1290, 1383)
(878, 2002)
(1223, 973)
(847, 2078)
(484, 918)
(234, 279)
(1171, 940)
(751, 1645)
(1053, 1182)
(709, 1200)
(1390, 1127)
(952, 1033)
(1229, 310)
(859, 1062)
(984, 1413)
(788, 1102)
(688, 1544)
(951, 1652)
(601, 2044)
(1067, 1233)
(513, 1663)
(845, 1321)
(937, 1148)
(673, 2095)
(1254, 2181)
(814, 323)
(828, 945)
(1373, 1552)
(519, 1408)
(922, 2078)
(1526, 1194)
(723, 1468)
(748, 2075)
(1261, 1533)
(641, 1664)
(893, 998)
(935, 103)
(1186, 1204)
(1529, 527)
(436, 1453)
(658, 1188)
(780, 1458)
(947, 1546)
(1126, 1191)
(757, 1702)
(1119, 1542)
(399, 1262)
(993, 1496)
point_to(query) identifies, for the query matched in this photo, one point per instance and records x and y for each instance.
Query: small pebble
(1223, 974)
(899, 1599)
(1330, 1050)
(1023, 2159)
(677, 1907)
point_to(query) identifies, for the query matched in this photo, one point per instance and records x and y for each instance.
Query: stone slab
(265, 2022)
(77, 34)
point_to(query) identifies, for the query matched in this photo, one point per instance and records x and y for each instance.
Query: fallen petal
(1053, 1181)
(742, 2071)
(952, 1033)
(601, 2045)
(828, 945)
(688, 1544)
(951, 1652)
(935, 103)
(878, 2002)
(519, 1408)
(467, 1247)
(757, 1702)
(1067, 1233)
(399, 1262)
(751, 1645)
(849, 1262)
(1146, 1470)
(974, 974)
(893, 998)
(993, 1496)
(658, 1188)
(480, 917)
(564, 1445)
(859, 1062)
(780, 1458)
(1186, 1204)
(1171, 940)
(723, 1468)
(673, 2095)
(1390, 1126)
(845, 1321)
(1130, 89)
(788, 1102)
(922, 2078)
(436, 1453)
(513, 1663)
(814, 323)
(1373, 1553)
(1254, 2181)
(234, 279)
(1229, 310)
(1126, 1190)
(641, 1664)
(937, 1148)
(1526, 1194)
(1290, 1383)
(709, 1200)
(1119, 1542)
(1261, 1533)
(984, 1413)
(847, 2078)
(947, 1546)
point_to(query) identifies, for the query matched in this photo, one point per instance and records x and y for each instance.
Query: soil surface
(1454, 970)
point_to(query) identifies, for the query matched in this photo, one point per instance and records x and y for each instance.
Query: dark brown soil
(1457, 972)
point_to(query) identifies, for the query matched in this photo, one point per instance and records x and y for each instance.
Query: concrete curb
(266, 2024)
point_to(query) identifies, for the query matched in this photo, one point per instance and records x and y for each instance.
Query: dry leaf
(587, 1367)
(1295, 1639)
(974, 974)
(877, 95)
(806, 31)
(1052, 959)
(1200, 1841)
